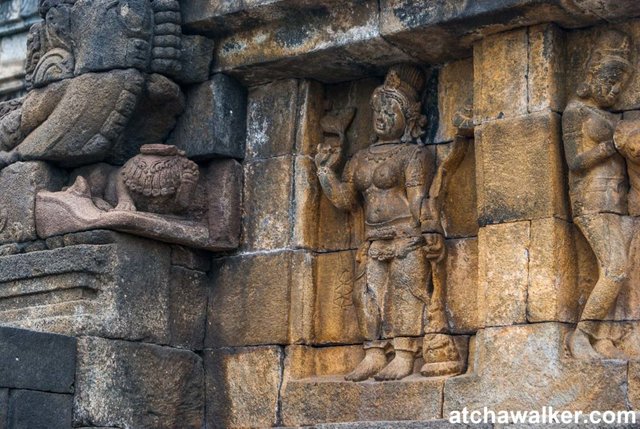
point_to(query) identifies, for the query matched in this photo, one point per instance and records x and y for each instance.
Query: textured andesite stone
(526, 367)
(37, 361)
(213, 124)
(39, 410)
(105, 289)
(20, 183)
(455, 91)
(135, 385)
(242, 386)
(519, 169)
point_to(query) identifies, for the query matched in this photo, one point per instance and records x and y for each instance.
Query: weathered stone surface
(552, 292)
(327, 49)
(198, 260)
(455, 91)
(118, 290)
(430, 424)
(267, 203)
(546, 68)
(214, 121)
(634, 385)
(519, 169)
(271, 119)
(306, 201)
(39, 410)
(503, 263)
(187, 308)
(308, 401)
(334, 317)
(462, 285)
(303, 362)
(21, 182)
(134, 385)
(460, 205)
(525, 368)
(196, 56)
(4, 407)
(249, 302)
(224, 184)
(242, 386)
(13, 51)
(578, 56)
(311, 99)
(37, 361)
(500, 84)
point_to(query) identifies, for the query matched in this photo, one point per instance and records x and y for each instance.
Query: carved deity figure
(390, 179)
(598, 184)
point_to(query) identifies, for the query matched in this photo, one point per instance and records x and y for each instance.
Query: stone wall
(245, 316)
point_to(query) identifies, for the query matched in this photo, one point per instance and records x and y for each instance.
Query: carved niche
(401, 274)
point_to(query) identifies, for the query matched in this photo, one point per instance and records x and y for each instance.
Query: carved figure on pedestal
(391, 179)
(598, 184)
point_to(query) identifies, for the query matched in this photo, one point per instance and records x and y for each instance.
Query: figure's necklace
(379, 157)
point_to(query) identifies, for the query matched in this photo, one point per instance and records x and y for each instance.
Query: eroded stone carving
(95, 70)
(598, 185)
(404, 247)
(159, 193)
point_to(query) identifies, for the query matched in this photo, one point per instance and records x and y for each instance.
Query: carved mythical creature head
(397, 104)
(609, 69)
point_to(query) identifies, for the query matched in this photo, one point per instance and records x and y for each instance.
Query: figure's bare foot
(608, 350)
(400, 367)
(374, 360)
(127, 206)
(581, 347)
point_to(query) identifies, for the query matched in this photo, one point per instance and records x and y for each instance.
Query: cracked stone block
(39, 410)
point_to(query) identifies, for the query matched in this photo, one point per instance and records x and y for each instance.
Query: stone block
(137, 385)
(306, 201)
(267, 203)
(250, 298)
(460, 205)
(224, 179)
(462, 285)
(193, 259)
(39, 410)
(187, 308)
(327, 49)
(634, 385)
(334, 318)
(500, 70)
(20, 183)
(214, 121)
(519, 169)
(36, 361)
(196, 56)
(546, 69)
(272, 112)
(455, 91)
(303, 362)
(525, 368)
(311, 99)
(309, 401)
(4, 407)
(553, 293)
(503, 273)
(242, 386)
(118, 289)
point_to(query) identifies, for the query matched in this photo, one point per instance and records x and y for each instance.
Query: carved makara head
(397, 105)
(609, 68)
(161, 179)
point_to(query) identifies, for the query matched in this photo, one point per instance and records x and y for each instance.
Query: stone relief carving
(103, 79)
(599, 183)
(400, 277)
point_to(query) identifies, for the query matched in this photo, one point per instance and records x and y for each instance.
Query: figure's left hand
(434, 247)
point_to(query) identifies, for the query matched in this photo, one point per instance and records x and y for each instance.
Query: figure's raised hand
(327, 157)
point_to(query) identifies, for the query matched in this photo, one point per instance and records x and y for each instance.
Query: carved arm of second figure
(390, 179)
(598, 185)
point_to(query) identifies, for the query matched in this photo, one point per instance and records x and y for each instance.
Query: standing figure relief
(598, 185)
(394, 295)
